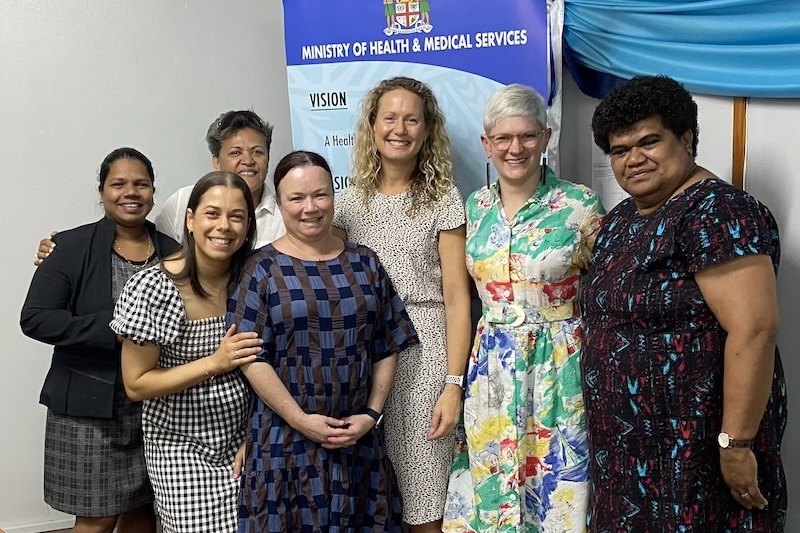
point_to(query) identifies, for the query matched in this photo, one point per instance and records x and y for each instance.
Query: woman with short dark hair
(239, 142)
(684, 389)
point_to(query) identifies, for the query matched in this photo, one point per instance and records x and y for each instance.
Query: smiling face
(399, 126)
(305, 195)
(245, 153)
(515, 146)
(127, 193)
(219, 224)
(650, 162)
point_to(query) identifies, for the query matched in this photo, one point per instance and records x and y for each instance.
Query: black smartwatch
(373, 414)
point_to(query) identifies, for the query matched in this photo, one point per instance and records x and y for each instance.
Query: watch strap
(727, 442)
(455, 380)
(740, 443)
(373, 414)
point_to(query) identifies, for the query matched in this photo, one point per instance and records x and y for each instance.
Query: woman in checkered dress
(332, 326)
(93, 452)
(178, 357)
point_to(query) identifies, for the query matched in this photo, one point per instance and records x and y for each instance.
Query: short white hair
(514, 100)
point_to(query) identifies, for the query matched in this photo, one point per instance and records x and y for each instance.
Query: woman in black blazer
(94, 462)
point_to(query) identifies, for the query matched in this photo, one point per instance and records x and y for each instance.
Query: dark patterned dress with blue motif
(653, 363)
(324, 324)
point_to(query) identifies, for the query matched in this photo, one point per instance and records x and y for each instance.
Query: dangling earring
(543, 169)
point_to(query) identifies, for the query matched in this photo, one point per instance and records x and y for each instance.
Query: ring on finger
(744, 495)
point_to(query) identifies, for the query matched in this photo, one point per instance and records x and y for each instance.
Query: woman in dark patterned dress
(94, 464)
(332, 324)
(684, 389)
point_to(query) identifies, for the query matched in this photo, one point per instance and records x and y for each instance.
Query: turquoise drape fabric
(721, 47)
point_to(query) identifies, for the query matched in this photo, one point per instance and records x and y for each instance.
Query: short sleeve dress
(190, 437)
(522, 450)
(324, 324)
(407, 245)
(653, 367)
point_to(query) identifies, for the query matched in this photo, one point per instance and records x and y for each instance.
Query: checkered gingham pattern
(191, 437)
(323, 323)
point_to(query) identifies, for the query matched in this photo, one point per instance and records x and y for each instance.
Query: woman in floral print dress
(522, 453)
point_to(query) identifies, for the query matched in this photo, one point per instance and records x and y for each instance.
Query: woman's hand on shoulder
(235, 350)
(46, 246)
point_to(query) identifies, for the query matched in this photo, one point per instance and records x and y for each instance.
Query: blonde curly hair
(433, 174)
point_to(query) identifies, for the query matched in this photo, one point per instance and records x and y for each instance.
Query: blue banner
(463, 49)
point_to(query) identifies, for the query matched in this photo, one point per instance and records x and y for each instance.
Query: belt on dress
(510, 314)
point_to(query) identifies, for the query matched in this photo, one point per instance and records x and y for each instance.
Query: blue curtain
(720, 47)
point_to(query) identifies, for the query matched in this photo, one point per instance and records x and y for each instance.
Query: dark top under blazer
(70, 306)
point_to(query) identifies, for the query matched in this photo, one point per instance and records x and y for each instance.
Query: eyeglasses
(502, 141)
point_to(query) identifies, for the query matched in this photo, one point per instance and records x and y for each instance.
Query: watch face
(724, 440)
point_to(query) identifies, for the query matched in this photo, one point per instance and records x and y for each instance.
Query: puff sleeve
(149, 309)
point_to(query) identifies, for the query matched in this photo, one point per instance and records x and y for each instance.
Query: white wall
(772, 175)
(78, 79)
(714, 148)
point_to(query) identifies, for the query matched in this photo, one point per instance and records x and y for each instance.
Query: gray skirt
(94, 467)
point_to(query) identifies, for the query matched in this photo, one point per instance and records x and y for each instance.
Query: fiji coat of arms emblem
(407, 16)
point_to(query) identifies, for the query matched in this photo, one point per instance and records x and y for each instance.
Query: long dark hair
(189, 271)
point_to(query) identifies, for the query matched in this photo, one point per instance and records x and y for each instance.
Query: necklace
(149, 251)
(213, 290)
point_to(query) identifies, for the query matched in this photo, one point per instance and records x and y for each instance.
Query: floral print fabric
(521, 459)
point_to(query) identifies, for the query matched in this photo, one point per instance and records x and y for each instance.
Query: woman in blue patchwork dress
(332, 325)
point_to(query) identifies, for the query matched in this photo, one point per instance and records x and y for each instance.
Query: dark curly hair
(641, 98)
